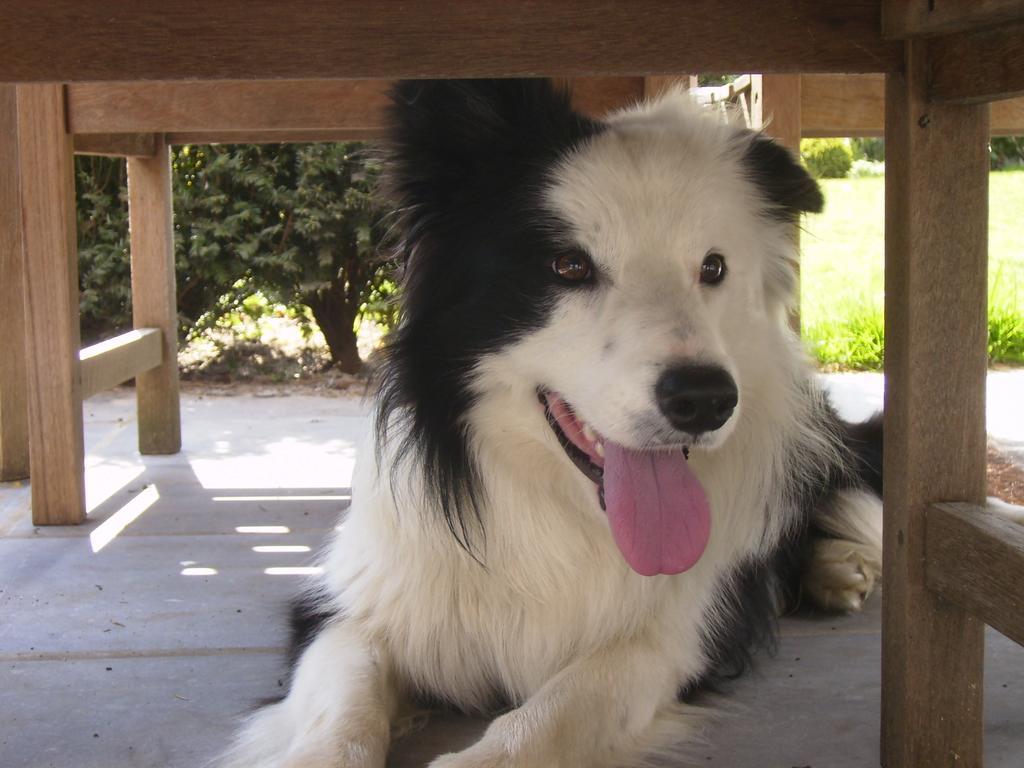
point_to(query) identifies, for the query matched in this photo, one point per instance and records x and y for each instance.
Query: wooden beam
(842, 105)
(46, 164)
(916, 18)
(977, 67)
(116, 360)
(306, 105)
(597, 96)
(302, 110)
(154, 298)
(79, 40)
(272, 137)
(13, 382)
(1008, 117)
(781, 107)
(247, 113)
(936, 237)
(656, 85)
(116, 144)
(854, 105)
(975, 558)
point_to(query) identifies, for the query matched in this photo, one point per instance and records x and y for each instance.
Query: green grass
(842, 275)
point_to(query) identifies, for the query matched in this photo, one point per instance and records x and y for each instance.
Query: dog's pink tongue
(657, 509)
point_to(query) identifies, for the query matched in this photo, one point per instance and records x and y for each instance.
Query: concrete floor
(138, 638)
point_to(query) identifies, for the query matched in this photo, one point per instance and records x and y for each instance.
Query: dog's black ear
(461, 138)
(782, 179)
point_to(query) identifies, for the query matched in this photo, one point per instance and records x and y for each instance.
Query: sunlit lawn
(842, 272)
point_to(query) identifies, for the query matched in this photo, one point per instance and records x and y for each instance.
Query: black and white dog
(602, 463)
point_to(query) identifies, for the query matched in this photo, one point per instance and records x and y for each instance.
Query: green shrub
(868, 148)
(104, 274)
(1006, 152)
(298, 224)
(827, 158)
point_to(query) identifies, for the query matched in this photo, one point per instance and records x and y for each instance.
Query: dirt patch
(1005, 477)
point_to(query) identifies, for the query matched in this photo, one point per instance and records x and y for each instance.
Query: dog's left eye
(573, 267)
(712, 271)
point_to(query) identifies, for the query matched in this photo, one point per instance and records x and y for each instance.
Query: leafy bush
(1006, 152)
(295, 222)
(104, 274)
(868, 148)
(827, 158)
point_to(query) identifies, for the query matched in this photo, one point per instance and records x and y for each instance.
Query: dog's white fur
(591, 653)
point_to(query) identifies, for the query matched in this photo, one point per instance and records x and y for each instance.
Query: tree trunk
(336, 318)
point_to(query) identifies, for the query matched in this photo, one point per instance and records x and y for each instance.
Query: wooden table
(949, 567)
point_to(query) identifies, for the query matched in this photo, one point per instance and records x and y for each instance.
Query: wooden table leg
(154, 303)
(936, 233)
(13, 383)
(51, 306)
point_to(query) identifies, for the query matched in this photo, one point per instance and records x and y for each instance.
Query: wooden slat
(854, 105)
(832, 105)
(115, 361)
(977, 67)
(843, 105)
(116, 144)
(122, 40)
(936, 230)
(46, 164)
(272, 137)
(305, 110)
(307, 105)
(13, 384)
(915, 18)
(154, 298)
(781, 106)
(976, 559)
(597, 96)
(1008, 117)
(655, 85)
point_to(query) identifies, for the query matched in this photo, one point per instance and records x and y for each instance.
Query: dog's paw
(840, 575)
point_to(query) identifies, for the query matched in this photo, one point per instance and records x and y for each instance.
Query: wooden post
(51, 306)
(13, 384)
(936, 219)
(154, 303)
(780, 106)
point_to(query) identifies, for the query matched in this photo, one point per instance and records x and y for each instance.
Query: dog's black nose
(696, 399)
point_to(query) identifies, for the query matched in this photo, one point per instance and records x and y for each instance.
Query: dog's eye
(712, 271)
(573, 267)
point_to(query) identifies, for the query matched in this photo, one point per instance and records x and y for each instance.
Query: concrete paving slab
(299, 446)
(184, 661)
(815, 705)
(164, 712)
(148, 594)
(806, 622)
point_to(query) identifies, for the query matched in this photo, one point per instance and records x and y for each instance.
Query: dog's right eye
(572, 267)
